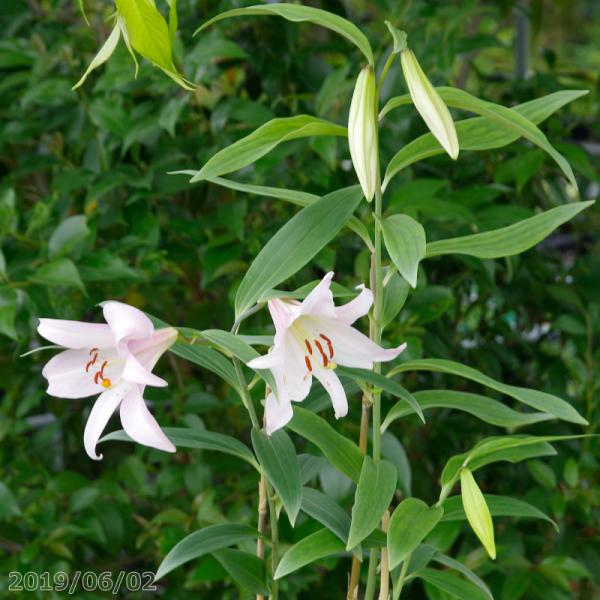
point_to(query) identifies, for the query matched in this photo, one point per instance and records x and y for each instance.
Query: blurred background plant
(88, 212)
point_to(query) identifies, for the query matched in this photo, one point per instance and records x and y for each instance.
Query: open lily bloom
(312, 338)
(114, 360)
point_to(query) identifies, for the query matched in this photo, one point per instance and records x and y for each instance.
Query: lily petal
(135, 372)
(67, 376)
(349, 312)
(76, 334)
(100, 414)
(140, 425)
(320, 300)
(274, 358)
(277, 413)
(292, 377)
(354, 349)
(282, 316)
(127, 323)
(332, 384)
(148, 351)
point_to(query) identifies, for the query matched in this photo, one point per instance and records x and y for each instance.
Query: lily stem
(262, 521)
(274, 543)
(402, 578)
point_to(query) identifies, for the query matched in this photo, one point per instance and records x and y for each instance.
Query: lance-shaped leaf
(246, 569)
(405, 242)
(341, 452)
(296, 243)
(539, 400)
(183, 437)
(410, 524)
(103, 55)
(514, 239)
(452, 584)
(374, 493)
(500, 506)
(477, 511)
(262, 140)
(318, 545)
(278, 458)
(486, 409)
(148, 33)
(203, 542)
(298, 13)
(477, 133)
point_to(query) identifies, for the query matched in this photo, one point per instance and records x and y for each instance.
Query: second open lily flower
(114, 359)
(312, 338)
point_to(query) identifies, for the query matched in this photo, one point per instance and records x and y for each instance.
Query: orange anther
(308, 365)
(329, 344)
(308, 346)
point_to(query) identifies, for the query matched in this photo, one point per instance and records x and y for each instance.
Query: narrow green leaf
(298, 241)
(500, 506)
(105, 52)
(341, 452)
(203, 542)
(262, 140)
(394, 296)
(409, 525)
(246, 569)
(478, 133)
(60, 272)
(299, 13)
(318, 545)
(451, 563)
(534, 398)
(207, 358)
(278, 458)
(386, 384)
(148, 33)
(183, 437)
(374, 493)
(485, 409)
(514, 239)
(405, 242)
(477, 511)
(451, 584)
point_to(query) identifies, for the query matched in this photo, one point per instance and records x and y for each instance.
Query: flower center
(318, 348)
(99, 365)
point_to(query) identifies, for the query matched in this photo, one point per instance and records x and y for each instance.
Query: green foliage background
(88, 212)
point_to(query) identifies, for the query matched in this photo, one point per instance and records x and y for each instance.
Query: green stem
(398, 587)
(371, 575)
(274, 542)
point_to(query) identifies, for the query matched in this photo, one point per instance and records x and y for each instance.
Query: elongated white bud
(429, 103)
(362, 131)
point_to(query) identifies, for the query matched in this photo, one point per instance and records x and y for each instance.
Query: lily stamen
(308, 365)
(329, 344)
(308, 346)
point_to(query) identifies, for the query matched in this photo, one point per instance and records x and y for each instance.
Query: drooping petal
(135, 372)
(150, 350)
(331, 382)
(349, 312)
(273, 358)
(320, 300)
(140, 425)
(76, 334)
(67, 377)
(100, 414)
(293, 377)
(127, 323)
(277, 413)
(354, 349)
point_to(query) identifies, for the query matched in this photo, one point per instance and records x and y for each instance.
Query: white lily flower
(312, 338)
(362, 131)
(429, 104)
(114, 360)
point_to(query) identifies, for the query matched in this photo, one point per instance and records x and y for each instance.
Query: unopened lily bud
(429, 103)
(362, 131)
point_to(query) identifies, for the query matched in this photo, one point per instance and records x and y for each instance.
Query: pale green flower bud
(362, 131)
(477, 511)
(429, 103)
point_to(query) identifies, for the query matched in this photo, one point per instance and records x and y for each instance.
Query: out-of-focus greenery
(89, 212)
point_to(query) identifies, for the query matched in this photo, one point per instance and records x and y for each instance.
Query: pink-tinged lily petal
(76, 334)
(320, 300)
(127, 323)
(67, 377)
(349, 312)
(277, 413)
(140, 425)
(148, 351)
(292, 377)
(282, 316)
(135, 372)
(274, 358)
(330, 381)
(354, 349)
(100, 414)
